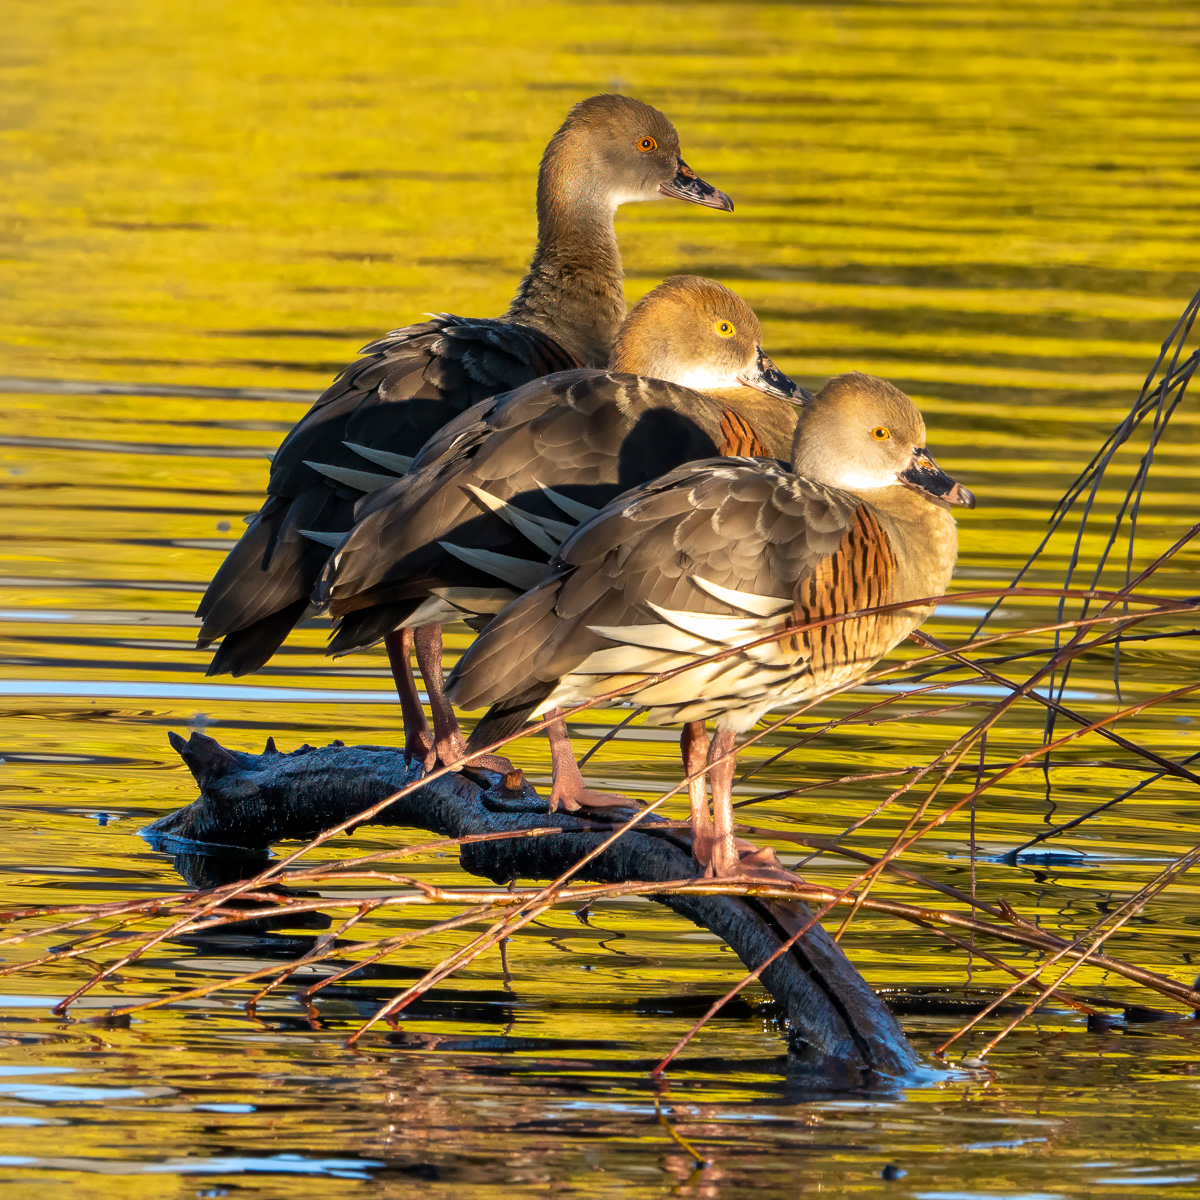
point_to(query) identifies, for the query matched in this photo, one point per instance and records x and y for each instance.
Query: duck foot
(762, 863)
(448, 747)
(732, 857)
(704, 846)
(418, 747)
(569, 792)
(450, 750)
(418, 740)
(574, 799)
(745, 861)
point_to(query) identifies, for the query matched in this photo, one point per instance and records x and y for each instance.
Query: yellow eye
(725, 329)
(647, 144)
(881, 434)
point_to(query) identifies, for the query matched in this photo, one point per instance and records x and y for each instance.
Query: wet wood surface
(838, 1029)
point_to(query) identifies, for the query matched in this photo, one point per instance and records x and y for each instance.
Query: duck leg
(418, 743)
(724, 859)
(734, 857)
(448, 746)
(569, 792)
(693, 748)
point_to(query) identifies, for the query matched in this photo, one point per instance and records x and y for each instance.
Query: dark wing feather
(587, 435)
(404, 389)
(246, 650)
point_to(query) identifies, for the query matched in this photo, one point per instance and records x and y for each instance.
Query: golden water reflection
(993, 205)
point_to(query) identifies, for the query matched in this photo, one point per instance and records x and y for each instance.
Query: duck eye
(724, 329)
(881, 434)
(647, 144)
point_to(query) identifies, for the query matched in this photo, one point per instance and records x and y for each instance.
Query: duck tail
(245, 651)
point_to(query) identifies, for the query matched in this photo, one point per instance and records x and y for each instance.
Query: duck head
(697, 333)
(612, 150)
(860, 433)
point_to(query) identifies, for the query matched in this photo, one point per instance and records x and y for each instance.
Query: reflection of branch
(1152, 398)
(1095, 937)
(833, 1015)
(1096, 810)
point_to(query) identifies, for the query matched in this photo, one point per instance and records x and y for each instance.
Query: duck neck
(573, 290)
(924, 526)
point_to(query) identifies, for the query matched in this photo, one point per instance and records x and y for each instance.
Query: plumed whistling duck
(716, 555)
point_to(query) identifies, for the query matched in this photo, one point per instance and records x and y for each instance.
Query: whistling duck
(491, 497)
(718, 554)
(367, 426)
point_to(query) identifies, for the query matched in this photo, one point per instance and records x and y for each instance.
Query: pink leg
(448, 746)
(732, 856)
(725, 859)
(693, 747)
(417, 742)
(569, 792)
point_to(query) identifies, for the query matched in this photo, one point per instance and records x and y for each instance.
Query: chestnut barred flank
(858, 575)
(738, 438)
(720, 555)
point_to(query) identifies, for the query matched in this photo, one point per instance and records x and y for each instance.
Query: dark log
(839, 1031)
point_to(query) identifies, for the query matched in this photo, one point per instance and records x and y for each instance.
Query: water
(208, 209)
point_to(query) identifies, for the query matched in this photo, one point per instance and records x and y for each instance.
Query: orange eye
(881, 434)
(724, 329)
(647, 144)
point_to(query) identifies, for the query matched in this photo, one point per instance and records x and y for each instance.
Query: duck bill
(767, 377)
(687, 185)
(926, 476)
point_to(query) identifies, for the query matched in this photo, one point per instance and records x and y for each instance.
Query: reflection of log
(838, 1028)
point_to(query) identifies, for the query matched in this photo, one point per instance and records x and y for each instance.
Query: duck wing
(492, 497)
(374, 416)
(712, 557)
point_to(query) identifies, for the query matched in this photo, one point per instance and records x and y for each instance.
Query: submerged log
(839, 1031)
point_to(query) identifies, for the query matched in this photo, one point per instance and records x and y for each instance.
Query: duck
(490, 498)
(363, 431)
(714, 556)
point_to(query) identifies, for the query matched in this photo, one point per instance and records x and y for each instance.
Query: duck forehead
(903, 419)
(624, 117)
(856, 399)
(718, 302)
(646, 119)
(705, 301)
(659, 127)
